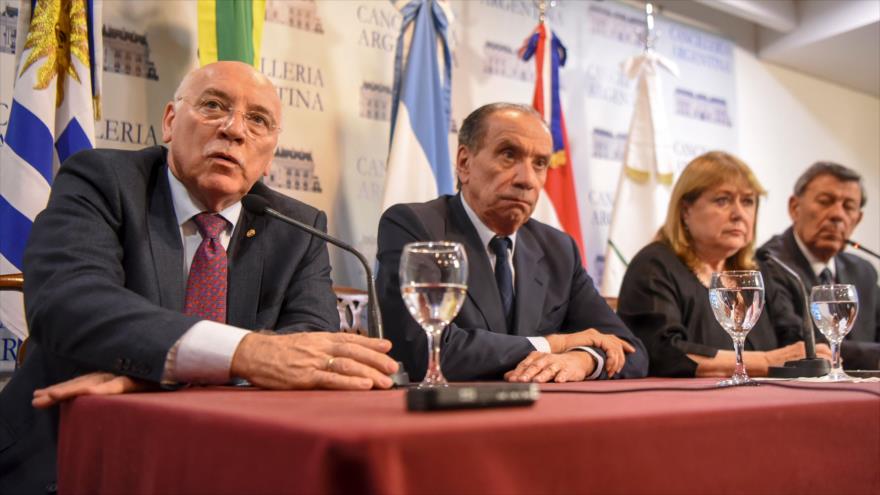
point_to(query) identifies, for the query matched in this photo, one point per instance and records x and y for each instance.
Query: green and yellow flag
(231, 30)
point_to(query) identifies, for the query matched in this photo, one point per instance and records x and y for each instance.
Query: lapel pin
(250, 233)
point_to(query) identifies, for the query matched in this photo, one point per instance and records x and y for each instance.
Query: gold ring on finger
(329, 366)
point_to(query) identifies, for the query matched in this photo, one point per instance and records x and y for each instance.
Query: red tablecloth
(745, 440)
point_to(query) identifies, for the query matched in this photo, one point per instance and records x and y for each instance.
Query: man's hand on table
(540, 367)
(614, 347)
(96, 383)
(310, 360)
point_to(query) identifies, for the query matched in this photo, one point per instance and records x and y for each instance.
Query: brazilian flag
(231, 30)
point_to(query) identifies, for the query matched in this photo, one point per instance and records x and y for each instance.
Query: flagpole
(650, 37)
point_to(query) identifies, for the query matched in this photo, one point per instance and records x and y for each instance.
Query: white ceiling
(834, 40)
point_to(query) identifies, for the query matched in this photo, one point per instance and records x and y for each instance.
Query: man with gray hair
(532, 313)
(825, 209)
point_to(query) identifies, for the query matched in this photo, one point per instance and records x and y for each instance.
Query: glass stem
(433, 373)
(738, 344)
(435, 351)
(432, 363)
(835, 354)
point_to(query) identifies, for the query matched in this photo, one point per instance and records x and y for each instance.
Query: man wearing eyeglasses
(144, 269)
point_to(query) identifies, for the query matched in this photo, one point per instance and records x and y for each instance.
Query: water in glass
(737, 299)
(433, 278)
(434, 305)
(834, 308)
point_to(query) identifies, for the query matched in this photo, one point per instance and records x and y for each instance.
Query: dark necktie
(825, 277)
(206, 285)
(503, 275)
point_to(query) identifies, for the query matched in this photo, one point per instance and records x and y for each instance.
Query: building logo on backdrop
(299, 85)
(608, 145)
(502, 60)
(293, 170)
(8, 29)
(298, 14)
(608, 84)
(375, 101)
(602, 203)
(380, 25)
(701, 107)
(126, 132)
(620, 27)
(128, 53)
(702, 49)
(525, 8)
(371, 171)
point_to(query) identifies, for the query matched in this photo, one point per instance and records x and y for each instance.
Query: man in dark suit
(143, 269)
(825, 208)
(532, 313)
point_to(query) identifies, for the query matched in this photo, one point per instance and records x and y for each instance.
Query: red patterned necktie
(206, 285)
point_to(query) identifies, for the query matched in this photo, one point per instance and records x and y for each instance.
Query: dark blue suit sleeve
(588, 309)
(78, 306)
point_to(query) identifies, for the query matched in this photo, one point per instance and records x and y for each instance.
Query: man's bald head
(221, 130)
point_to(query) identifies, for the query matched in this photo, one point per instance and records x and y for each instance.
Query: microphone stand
(863, 249)
(810, 366)
(258, 205)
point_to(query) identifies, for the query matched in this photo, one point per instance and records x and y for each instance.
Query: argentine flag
(419, 167)
(646, 180)
(55, 102)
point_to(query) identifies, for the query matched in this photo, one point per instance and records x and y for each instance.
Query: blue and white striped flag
(55, 102)
(419, 167)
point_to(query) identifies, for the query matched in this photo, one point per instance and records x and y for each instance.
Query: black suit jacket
(861, 348)
(667, 306)
(104, 289)
(554, 294)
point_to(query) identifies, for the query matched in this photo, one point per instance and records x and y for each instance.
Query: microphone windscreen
(762, 254)
(254, 204)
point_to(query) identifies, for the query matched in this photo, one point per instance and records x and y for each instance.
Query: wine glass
(737, 299)
(834, 309)
(433, 283)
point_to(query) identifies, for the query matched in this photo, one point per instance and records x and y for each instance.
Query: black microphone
(258, 205)
(810, 366)
(861, 248)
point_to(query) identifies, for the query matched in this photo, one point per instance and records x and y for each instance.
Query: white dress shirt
(486, 234)
(816, 264)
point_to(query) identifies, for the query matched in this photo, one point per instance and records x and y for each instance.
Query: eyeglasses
(218, 112)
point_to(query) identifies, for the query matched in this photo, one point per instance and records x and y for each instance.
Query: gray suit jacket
(554, 294)
(104, 289)
(861, 348)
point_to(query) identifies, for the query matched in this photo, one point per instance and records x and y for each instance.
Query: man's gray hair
(473, 129)
(836, 170)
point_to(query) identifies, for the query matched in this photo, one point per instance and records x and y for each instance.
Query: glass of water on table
(433, 283)
(737, 299)
(834, 309)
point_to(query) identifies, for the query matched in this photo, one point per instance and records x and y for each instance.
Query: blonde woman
(710, 227)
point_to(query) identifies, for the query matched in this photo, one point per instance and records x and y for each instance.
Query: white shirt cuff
(600, 363)
(204, 354)
(540, 344)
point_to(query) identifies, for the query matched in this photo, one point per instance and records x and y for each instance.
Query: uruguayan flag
(52, 115)
(419, 167)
